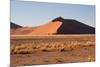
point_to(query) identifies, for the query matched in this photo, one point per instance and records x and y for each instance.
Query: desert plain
(51, 49)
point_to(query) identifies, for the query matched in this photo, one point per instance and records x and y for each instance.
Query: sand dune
(47, 29)
(71, 26)
(23, 31)
(57, 26)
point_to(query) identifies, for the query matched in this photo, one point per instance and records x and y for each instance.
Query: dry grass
(46, 46)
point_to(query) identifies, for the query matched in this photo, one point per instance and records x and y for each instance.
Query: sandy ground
(76, 54)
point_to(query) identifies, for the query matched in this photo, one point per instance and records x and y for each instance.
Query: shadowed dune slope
(70, 26)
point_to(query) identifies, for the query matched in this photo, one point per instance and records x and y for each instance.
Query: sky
(31, 13)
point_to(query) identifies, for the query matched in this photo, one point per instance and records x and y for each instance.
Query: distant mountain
(70, 26)
(58, 25)
(14, 26)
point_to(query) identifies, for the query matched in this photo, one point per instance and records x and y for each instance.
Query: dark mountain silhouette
(14, 26)
(70, 26)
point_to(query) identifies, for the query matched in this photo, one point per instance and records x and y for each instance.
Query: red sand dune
(57, 26)
(47, 29)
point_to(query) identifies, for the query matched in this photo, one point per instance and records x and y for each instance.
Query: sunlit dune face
(47, 29)
(23, 31)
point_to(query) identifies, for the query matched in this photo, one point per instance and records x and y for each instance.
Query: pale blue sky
(29, 13)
